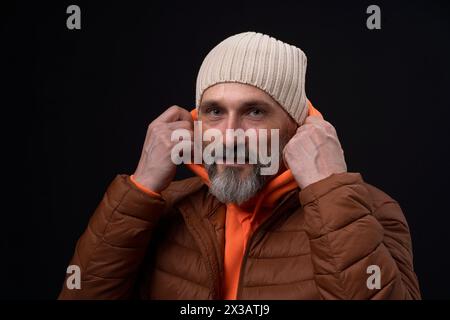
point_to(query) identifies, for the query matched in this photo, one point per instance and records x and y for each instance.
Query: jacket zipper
(214, 265)
(271, 219)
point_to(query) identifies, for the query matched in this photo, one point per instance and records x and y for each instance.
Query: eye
(213, 111)
(256, 112)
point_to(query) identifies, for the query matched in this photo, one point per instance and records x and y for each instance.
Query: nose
(233, 122)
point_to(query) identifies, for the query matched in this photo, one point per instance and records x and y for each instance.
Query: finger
(308, 127)
(175, 113)
(191, 159)
(313, 119)
(182, 124)
(163, 128)
(302, 141)
(185, 136)
(185, 142)
(323, 126)
(322, 123)
(315, 133)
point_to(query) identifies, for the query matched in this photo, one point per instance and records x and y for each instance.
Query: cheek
(257, 125)
(289, 132)
(220, 125)
(209, 132)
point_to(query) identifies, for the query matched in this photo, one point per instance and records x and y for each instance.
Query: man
(311, 230)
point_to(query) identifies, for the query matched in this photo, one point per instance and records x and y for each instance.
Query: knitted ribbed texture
(262, 61)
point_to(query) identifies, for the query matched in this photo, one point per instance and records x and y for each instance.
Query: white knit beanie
(262, 61)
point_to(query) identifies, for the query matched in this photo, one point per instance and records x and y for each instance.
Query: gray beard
(230, 187)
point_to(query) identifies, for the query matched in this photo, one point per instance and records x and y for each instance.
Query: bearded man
(311, 230)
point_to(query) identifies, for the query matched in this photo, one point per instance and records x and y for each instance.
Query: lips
(234, 160)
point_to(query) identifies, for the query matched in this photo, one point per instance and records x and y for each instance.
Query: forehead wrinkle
(241, 91)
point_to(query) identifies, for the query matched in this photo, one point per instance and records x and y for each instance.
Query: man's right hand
(156, 170)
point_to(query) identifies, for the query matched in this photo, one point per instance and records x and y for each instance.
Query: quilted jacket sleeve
(353, 227)
(112, 248)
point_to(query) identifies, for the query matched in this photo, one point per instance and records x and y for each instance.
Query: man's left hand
(314, 152)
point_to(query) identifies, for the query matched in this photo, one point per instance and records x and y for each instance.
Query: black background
(76, 105)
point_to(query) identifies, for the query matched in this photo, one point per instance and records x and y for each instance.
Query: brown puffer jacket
(317, 244)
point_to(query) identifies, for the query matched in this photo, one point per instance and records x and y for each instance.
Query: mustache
(236, 153)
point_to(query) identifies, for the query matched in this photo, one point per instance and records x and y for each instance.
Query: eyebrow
(245, 104)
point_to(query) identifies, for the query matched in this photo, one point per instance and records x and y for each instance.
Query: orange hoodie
(242, 221)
